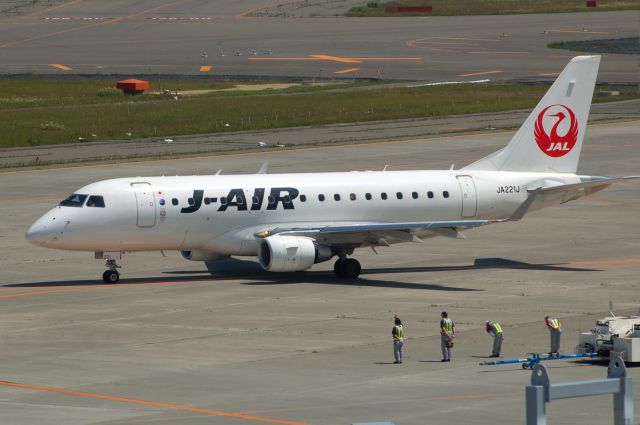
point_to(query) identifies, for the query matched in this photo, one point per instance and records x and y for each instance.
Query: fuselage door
(146, 204)
(469, 197)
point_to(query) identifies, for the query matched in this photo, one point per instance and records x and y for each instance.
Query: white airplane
(292, 221)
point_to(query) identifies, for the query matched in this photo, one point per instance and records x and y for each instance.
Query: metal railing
(542, 391)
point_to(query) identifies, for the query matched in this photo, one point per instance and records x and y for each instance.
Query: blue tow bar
(530, 362)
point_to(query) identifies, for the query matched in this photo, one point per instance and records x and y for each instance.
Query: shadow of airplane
(235, 269)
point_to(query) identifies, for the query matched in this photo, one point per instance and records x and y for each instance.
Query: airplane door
(469, 198)
(146, 204)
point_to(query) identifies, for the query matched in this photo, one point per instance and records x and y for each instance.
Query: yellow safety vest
(399, 334)
(448, 325)
(497, 329)
(555, 323)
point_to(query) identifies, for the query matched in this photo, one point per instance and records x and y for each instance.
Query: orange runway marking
(60, 6)
(51, 34)
(612, 263)
(236, 415)
(473, 74)
(61, 66)
(104, 286)
(499, 53)
(470, 39)
(455, 43)
(388, 59)
(205, 68)
(51, 291)
(92, 25)
(335, 59)
(437, 49)
(346, 71)
(153, 9)
(283, 59)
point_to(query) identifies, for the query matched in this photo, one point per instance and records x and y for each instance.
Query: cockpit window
(74, 200)
(95, 201)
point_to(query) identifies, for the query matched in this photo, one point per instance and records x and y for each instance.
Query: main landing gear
(347, 268)
(111, 275)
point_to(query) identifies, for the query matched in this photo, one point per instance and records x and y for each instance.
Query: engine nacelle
(291, 253)
(200, 255)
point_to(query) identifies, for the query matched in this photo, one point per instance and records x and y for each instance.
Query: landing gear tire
(111, 276)
(338, 268)
(348, 268)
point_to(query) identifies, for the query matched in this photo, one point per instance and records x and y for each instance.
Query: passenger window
(303, 198)
(190, 201)
(74, 200)
(383, 195)
(399, 195)
(430, 194)
(174, 201)
(255, 200)
(95, 201)
(207, 201)
(321, 197)
(286, 199)
(271, 200)
(352, 196)
(223, 200)
(414, 195)
(367, 196)
(445, 194)
(336, 197)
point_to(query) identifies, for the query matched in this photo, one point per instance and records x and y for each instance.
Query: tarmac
(215, 38)
(173, 344)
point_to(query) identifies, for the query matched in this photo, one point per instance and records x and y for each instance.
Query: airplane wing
(545, 196)
(374, 233)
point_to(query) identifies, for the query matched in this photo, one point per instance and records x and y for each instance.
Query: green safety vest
(497, 329)
(398, 333)
(448, 325)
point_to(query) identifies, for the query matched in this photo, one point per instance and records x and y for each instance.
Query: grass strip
(490, 7)
(126, 118)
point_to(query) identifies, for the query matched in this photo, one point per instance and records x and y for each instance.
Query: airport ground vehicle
(613, 334)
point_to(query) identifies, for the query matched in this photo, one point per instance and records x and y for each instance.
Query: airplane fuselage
(222, 214)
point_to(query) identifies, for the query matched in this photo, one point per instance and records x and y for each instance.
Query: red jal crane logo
(552, 143)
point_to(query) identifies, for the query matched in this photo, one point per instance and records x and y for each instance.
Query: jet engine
(291, 253)
(201, 255)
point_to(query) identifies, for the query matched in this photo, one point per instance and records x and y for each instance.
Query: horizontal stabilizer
(565, 192)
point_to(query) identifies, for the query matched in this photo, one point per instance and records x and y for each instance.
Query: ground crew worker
(447, 332)
(555, 330)
(398, 340)
(495, 330)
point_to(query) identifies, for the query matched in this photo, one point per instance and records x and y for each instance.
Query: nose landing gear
(111, 275)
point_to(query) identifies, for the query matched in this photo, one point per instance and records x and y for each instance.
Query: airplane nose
(46, 231)
(37, 234)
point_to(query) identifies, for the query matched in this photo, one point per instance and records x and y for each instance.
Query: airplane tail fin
(550, 140)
